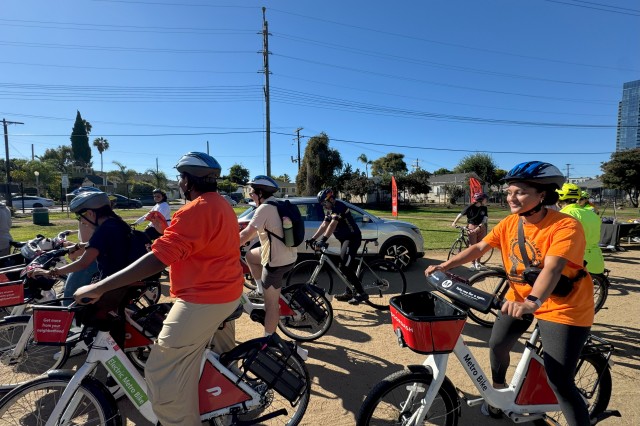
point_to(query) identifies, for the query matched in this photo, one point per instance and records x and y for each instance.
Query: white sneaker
(490, 411)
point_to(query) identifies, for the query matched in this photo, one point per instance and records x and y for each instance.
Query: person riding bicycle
(477, 220)
(553, 244)
(568, 198)
(585, 202)
(270, 262)
(162, 207)
(201, 246)
(339, 222)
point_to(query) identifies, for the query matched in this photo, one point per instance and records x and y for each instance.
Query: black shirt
(111, 239)
(475, 214)
(347, 228)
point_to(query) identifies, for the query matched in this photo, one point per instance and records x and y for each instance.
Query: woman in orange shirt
(560, 296)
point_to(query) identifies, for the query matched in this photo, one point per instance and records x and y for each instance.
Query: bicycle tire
(493, 282)
(382, 280)
(32, 403)
(457, 246)
(486, 257)
(589, 368)
(306, 328)
(600, 290)
(34, 361)
(272, 400)
(301, 273)
(388, 402)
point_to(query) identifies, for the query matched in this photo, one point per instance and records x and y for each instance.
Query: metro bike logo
(215, 391)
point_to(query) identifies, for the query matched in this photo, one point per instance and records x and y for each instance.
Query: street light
(37, 173)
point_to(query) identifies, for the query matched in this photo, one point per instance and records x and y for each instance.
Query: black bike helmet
(324, 195)
(479, 196)
(89, 201)
(199, 164)
(161, 192)
(536, 172)
(265, 184)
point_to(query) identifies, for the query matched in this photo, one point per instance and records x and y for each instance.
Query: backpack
(286, 209)
(138, 245)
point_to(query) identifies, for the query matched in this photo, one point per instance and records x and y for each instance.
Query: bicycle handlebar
(460, 291)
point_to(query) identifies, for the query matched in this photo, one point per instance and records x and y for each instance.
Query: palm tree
(125, 175)
(363, 159)
(102, 145)
(159, 177)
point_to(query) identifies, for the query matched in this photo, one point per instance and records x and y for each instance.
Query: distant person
(339, 222)
(477, 221)
(5, 227)
(162, 206)
(586, 203)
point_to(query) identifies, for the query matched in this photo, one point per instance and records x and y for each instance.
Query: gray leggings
(562, 347)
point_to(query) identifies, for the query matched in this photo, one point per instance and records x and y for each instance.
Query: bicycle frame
(528, 396)
(215, 380)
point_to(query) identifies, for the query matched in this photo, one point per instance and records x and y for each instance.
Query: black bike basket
(271, 365)
(151, 318)
(308, 300)
(426, 323)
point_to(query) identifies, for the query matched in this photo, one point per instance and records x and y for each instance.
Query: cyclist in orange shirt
(559, 294)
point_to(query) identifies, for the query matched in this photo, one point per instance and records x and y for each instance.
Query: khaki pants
(173, 368)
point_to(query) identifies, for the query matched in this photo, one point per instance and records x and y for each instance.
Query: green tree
(318, 166)
(101, 145)
(80, 143)
(364, 160)
(226, 185)
(453, 192)
(391, 164)
(123, 175)
(416, 182)
(157, 177)
(442, 171)
(283, 178)
(623, 172)
(359, 185)
(238, 174)
(61, 158)
(482, 165)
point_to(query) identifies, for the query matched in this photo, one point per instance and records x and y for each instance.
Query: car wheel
(399, 251)
(36, 205)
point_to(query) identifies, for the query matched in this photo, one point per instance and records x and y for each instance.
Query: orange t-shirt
(202, 245)
(559, 235)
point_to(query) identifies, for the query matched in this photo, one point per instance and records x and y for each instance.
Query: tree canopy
(623, 172)
(482, 165)
(61, 158)
(80, 143)
(238, 174)
(391, 164)
(318, 166)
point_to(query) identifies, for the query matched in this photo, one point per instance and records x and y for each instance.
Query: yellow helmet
(569, 191)
(584, 194)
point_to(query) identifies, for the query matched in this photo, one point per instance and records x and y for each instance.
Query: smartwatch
(535, 300)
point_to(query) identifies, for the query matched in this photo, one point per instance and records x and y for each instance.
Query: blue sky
(433, 80)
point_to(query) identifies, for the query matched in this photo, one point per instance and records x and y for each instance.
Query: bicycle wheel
(600, 290)
(315, 314)
(457, 246)
(34, 361)
(382, 280)
(301, 273)
(272, 401)
(395, 399)
(32, 404)
(485, 257)
(492, 282)
(597, 393)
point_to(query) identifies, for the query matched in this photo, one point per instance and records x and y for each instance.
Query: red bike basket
(11, 293)
(426, 323)
(51, 324)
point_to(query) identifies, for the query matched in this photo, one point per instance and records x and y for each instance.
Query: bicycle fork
(437, 365)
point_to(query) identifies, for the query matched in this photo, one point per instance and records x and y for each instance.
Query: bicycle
(462, 242)
(428, 324)
(305, 312)
(21, 359)
(496, 282)
(381, 279)
(261, 379)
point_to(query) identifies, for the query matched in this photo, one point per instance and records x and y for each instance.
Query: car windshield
(247, 212)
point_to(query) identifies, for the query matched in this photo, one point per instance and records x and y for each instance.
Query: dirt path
(360, 349)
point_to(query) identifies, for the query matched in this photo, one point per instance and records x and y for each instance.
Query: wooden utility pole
(265, 57)
(298, 132)
(6, 151)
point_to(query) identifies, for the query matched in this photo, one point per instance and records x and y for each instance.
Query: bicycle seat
(458, 290)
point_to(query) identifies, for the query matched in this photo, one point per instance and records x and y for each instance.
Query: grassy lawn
(434, 222)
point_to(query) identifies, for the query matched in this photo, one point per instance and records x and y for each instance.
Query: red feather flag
(474, 186)
(394, 197)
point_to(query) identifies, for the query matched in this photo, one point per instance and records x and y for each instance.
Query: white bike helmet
(89, 201)
(264, 183)
(199, 164)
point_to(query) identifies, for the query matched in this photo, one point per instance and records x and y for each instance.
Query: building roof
(452, 178)
(591, 184)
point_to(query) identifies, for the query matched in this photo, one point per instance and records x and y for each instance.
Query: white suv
(400, 242)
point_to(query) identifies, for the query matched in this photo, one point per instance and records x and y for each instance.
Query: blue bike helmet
(536, 172)
(199, 165)
(265, 184)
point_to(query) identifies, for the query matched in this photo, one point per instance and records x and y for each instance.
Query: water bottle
(287, 227)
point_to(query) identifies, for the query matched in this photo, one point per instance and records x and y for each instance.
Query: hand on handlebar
(432, 268)
(87, 294)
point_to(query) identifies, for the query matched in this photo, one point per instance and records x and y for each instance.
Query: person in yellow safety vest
(585, 203)
(570, 194)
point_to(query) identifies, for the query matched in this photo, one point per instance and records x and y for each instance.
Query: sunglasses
(80, 216)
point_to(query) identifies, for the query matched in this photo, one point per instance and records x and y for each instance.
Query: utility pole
(568, 166)
(416, 166)
(6, 164)
(298, 132)
(207, 147)
(265, 57)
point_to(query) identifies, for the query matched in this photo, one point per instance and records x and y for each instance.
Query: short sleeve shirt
(347, 228)
(274, 252)
(591, 224)
(556, 235)
(475, 214)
